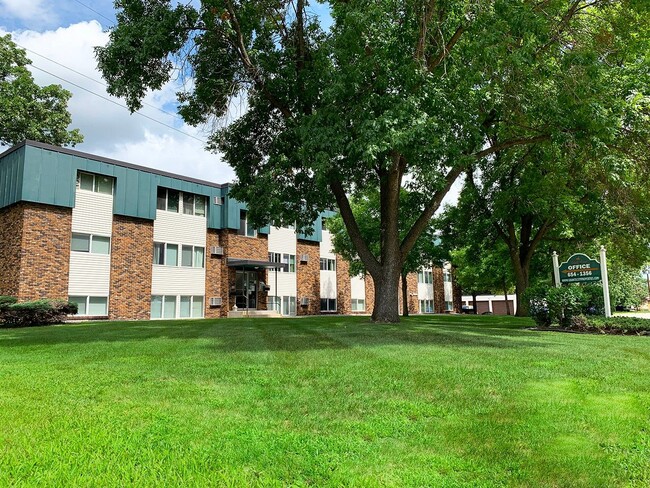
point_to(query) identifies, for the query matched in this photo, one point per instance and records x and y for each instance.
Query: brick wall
(308, 277)
(343, 286)
(370, 293)
(214, 267)
(412, 290)
(11, 231)
(438, 290)
(131, 267)
(45, 252)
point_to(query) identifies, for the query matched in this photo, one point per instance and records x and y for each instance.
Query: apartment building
(129, 242)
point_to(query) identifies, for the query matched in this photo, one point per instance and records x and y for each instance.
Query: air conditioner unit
(216, 250)
(304, 301)
(304, 258)
(215, 301)
(218, 200)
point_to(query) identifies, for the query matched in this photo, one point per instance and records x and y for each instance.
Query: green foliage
(551, 305)
(37, 312)
(627, 289)
(5, 301)
(565, 302)
(618, 325)
(28, 110)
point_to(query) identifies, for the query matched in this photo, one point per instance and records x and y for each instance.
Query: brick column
(343, 286)
(131, 268)
(438, 290)
(11, 232)
(308, 277)
(214, 267)
(370, 293)
(45, 252)
(412, 290)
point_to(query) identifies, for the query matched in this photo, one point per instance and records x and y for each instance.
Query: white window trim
(90, 245)
(177, 309)
(94, 175)
(88, 297)
(179, 257)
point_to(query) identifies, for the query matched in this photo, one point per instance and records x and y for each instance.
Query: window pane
(86, 181)
(104, 184)
(169, 307)
(186, 306)
(242, 223)
(101, 245)
(250, 231)
(171, 258)
(323, 304)
(81, 304)
(199, 206)
(292, 263)
(81, 242)
(186, 256)
(199, 253)
(172, 200)
(162, 199)
(188, 204)
(197, 307)
(158, 253)
(332, 265)
(156, 307)
(97, 306)
(323, 264)
(292, 305)
(332, 304)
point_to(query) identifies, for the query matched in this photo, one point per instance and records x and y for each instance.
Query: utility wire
(119, 104)
(93, 10)
(93, 79)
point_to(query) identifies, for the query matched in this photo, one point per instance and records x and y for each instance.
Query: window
(425, 276)
(273, 303)
(426, 306)
(172, 201)
(446, 276)
(244, 229)
(288, 305)
(449, 305)
(90, 243)
(290, 260)
(90, 306)
(324, 223)
(191, 307)
(328, 304)
(173, 306)
(188, 204)
(166, 254)
(97, 183)
(327, 264)
(358, 305)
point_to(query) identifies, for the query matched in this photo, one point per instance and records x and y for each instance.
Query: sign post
(603, 262)
(556, 270)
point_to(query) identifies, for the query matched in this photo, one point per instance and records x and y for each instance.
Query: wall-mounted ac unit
(215, 301)
(218, 200)
(304, 258)
(304, 301)
(216, 250)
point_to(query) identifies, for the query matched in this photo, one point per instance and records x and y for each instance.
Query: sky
(59, 36)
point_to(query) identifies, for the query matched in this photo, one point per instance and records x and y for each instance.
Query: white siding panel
(326, 248)
(92, 213)
(449, 291)
(425, 291)
(89, 274)
(282, 240)
(171, 280)
(286, 284)
(179, 228)
(328, 284)
(357, 287)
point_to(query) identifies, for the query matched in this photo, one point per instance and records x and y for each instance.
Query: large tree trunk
(521, 285)
(386, 296)
(405, 296)
(474, 304)
(505, 296)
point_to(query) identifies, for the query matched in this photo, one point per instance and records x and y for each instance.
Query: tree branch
(522, 141)
(434, 63)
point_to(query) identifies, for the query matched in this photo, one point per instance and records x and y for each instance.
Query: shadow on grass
(242, 335)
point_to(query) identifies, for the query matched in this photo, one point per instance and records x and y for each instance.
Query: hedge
(36, 312)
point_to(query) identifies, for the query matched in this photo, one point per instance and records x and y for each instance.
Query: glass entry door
(246, 286)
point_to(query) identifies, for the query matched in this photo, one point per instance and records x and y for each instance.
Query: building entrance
(246, 288)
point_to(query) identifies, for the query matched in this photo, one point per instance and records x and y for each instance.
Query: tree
(394, 94)
(365, 207)
(28, 110)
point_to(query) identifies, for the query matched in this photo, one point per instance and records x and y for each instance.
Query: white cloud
(32, 10)
(109, 129)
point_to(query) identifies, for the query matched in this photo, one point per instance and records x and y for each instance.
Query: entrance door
(246, 286)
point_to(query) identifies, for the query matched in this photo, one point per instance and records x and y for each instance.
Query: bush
(619, 325)
(37, 312)
(538, 305)
(5, 301)
(564, 303)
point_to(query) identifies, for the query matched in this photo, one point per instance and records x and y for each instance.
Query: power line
(92, 79)
(93, 10)
(119, 104)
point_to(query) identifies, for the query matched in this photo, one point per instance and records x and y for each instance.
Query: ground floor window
(284, 305)
(449, 305)
(426, 306)
(328, 304)
(174, 306)
(358, 305)
(90, 306)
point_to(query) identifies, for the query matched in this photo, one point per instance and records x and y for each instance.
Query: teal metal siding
(11, 177)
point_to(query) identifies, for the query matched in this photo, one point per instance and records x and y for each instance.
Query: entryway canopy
(250, 264)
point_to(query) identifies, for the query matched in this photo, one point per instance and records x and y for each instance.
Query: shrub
(5, 301)
(37, 312)
(595, 302)
(538, 305)
(564, 303)
(619, 325)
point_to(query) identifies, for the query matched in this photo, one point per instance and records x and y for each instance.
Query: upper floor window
(167, 254)
(446, 276)
(425, 276)
(244, 228)
(90, 243)
(288, 259)
(327, 264)
(177, 201)
(96, 183)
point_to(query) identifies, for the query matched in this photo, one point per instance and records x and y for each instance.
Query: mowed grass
(439, 401)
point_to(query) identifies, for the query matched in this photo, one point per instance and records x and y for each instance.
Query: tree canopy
(29, 111)
(394, 94)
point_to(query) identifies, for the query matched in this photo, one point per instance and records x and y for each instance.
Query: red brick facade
(214, 270)
(11, 233)
(343, 286)
(308, 277)
(131, 265)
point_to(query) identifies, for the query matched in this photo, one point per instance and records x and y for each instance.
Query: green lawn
(434, 401)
